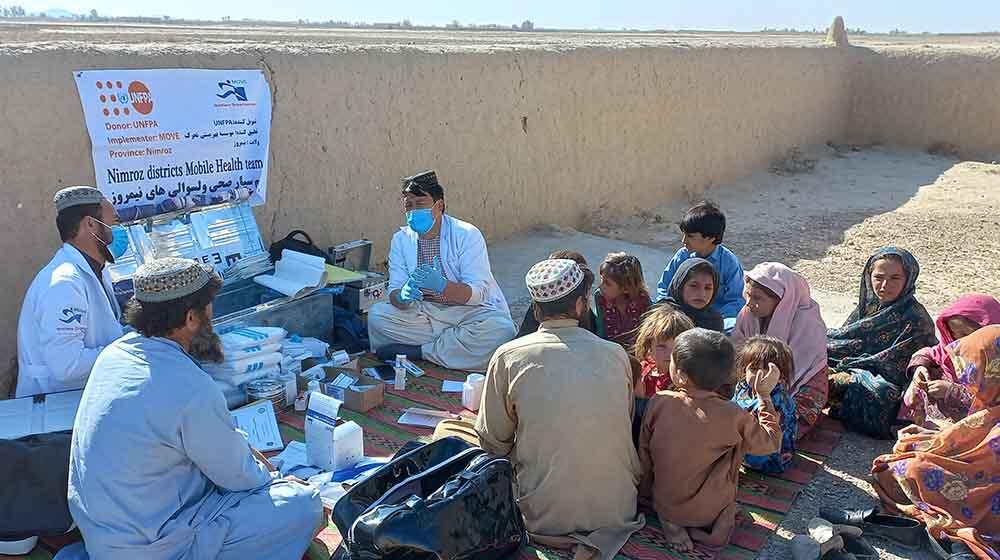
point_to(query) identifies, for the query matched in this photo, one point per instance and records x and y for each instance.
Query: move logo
(142, 100)
(73, 315)
(230, 88)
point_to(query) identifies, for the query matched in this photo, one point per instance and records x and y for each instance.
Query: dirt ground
(827, 222)
(25, 35)
(824, 223)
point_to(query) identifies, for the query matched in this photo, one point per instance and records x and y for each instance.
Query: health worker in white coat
(444, 304)
(69, 313)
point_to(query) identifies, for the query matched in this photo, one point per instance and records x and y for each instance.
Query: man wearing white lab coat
(69, 313)
(444, 304)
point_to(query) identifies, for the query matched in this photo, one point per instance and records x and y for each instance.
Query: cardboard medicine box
(358, 392)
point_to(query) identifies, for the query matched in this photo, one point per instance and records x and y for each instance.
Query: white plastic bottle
(400, 367)
(311, 387)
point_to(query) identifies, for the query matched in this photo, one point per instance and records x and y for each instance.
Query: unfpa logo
(141, 100)
(120, 101)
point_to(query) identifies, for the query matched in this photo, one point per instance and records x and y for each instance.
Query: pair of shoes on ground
(828, 541)
(902, 531)
(22, 547)
(73, 551)
(950, 550)
(390, 351)
(17, 547)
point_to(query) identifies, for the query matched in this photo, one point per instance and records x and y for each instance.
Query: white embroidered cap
(552, 279)
(76, 196)
(170, 278)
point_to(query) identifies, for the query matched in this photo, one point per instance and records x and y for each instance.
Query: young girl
(653, 346)
(693, 441)
(779, 304)
(935, 394)
(621, 299)
(758, 353)
(692, 290)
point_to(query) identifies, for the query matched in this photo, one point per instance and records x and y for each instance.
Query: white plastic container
(400, 367)
(472, 391)
(311, 388)
(348, 446)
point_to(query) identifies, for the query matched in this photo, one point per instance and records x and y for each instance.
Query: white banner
(170, 139)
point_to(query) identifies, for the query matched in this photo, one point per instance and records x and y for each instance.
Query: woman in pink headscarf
(779, 304)
(935, 393)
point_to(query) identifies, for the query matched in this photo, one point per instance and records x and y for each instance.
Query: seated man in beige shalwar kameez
(559, 402)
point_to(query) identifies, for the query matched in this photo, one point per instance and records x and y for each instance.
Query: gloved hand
(410, 293)
(430, 278)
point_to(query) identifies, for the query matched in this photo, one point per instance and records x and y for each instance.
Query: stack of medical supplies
(250, 353)
(262, 353)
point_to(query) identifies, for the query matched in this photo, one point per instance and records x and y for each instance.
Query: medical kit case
(227, 237)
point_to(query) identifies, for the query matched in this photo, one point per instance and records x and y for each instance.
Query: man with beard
(69, 313)
(157, 469)
(558, 402)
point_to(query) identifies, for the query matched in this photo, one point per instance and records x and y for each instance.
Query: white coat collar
(75, 256)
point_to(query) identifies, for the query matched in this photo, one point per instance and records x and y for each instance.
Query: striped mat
(764, 499)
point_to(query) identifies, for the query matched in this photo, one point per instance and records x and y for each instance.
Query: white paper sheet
(294, 460)
(15, 418)
(294, 454)
(24, 417)
(258, 421)
(296, 274)
(342, 381)
(336, 387)
(60, 410)
(449, 386)
(424, 417)
(414, 419)
(430, 412)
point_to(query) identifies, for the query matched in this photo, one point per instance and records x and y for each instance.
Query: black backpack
(34, 501)
(289, 242)
(409, 508)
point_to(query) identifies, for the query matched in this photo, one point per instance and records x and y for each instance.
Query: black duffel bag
(447, 501)
(292, 244)
(35, 471)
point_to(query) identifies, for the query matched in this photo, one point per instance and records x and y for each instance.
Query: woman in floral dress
(949, 478)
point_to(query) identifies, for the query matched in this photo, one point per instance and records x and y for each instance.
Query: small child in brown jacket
(693, 441)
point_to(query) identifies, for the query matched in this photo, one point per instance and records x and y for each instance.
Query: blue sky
(941, 16)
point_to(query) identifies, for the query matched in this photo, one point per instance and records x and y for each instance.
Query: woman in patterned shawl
(934, 393)
(868, 356)
(949, 478)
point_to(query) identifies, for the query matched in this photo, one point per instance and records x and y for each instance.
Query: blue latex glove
(409, 293)
(430, 278)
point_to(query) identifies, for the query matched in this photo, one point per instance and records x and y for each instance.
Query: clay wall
(518, 137)
(928, 99)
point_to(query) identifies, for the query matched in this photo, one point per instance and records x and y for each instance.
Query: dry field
(219, 37)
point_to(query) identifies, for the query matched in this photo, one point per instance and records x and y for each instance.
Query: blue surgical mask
(420, 220)
(119, 241)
